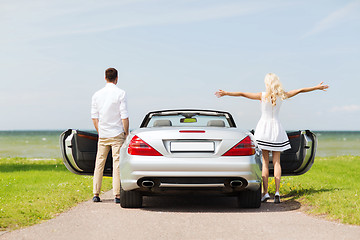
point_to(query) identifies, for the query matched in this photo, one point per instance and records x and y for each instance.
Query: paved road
(185, 218)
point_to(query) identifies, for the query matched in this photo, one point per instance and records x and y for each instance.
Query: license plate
(192, 146)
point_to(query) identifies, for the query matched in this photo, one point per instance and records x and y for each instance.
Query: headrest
(162, 123)
(216, 123)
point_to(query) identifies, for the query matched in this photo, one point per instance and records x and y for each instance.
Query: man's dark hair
(111, 74)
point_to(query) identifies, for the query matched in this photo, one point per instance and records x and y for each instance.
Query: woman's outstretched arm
(293, 93)
(254, 96)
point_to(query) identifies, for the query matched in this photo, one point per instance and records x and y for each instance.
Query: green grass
(331, 188)
(33, 191)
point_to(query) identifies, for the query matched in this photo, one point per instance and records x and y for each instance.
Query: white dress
(269, 133)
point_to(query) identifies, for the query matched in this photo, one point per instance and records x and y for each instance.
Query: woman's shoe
(277, 198)
(265, 197)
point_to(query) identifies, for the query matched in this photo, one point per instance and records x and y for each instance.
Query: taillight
(244, 148)
(138, 147)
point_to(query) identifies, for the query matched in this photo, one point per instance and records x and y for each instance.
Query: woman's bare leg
(265, 170)
(277, 169)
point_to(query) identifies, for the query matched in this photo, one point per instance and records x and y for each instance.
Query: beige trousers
(104, 146)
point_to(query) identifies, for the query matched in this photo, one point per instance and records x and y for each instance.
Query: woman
(269, 133)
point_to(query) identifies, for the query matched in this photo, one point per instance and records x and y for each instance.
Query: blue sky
(176, 54)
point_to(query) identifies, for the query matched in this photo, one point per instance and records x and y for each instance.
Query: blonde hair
(274, 88)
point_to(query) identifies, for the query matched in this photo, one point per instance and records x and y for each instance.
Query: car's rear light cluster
(138, 147)
(245, 147)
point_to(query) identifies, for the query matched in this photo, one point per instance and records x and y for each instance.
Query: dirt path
(185, 218)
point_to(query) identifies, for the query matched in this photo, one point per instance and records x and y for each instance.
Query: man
(110, 117)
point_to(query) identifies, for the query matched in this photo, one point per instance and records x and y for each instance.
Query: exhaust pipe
(236, 183)
(147, 183)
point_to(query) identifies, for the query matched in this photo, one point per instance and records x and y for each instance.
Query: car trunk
(79, 149)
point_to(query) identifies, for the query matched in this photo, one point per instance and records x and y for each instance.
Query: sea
(46, 145)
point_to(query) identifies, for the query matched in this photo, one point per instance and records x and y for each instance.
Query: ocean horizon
(44, 144)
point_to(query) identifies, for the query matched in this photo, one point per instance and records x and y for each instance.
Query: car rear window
(188, 121)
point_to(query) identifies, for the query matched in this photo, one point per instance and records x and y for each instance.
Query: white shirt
(109, 105)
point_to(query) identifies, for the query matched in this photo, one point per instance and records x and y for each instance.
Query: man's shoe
(117, 200)
(96, 199)
(277, 199)
(265, 197)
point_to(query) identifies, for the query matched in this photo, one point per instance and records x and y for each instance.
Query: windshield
(188, 120)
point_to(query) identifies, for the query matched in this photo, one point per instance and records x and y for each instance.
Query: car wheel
(130, 199)
(250, 199)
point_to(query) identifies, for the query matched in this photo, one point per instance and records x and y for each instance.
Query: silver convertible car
(188, 151)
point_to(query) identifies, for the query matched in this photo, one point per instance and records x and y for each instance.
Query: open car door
(300, 158)
(79, 149)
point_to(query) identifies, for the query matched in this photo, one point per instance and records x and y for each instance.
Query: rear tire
(250, 199)
(130, 199)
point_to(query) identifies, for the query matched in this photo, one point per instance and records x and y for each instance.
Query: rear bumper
(189, 173)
